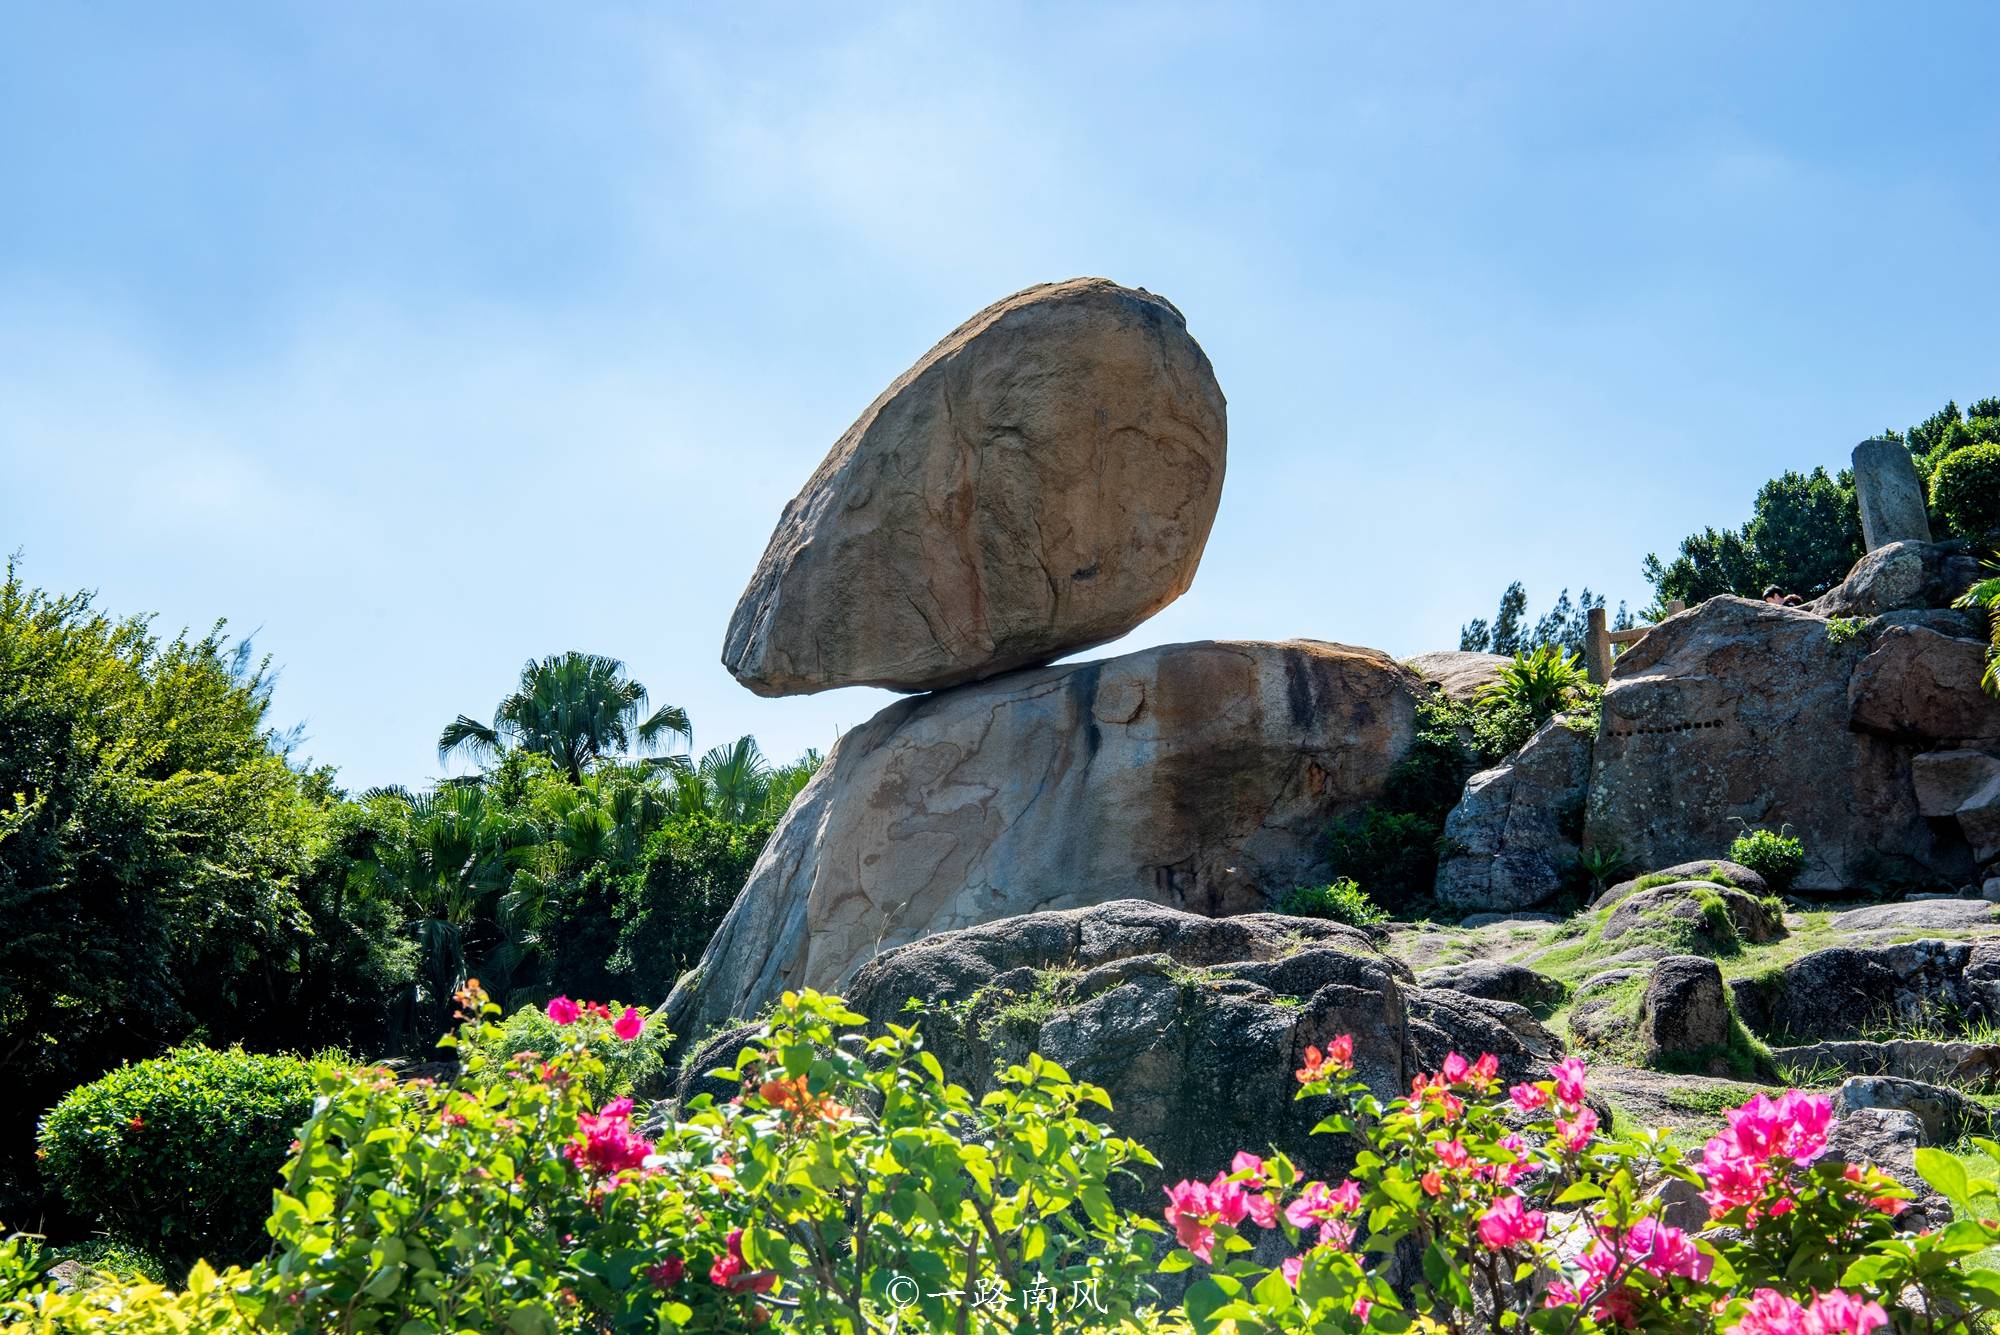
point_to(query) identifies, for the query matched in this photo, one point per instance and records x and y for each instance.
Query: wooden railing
(1597, 650)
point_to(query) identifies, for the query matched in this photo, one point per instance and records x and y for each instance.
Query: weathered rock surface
(1043, 480)
(1200, 776)
(1944, 1114)
(1902, 576)
(1921, 685)
(1194, 1025)
(1684, 1009)
(1512, 837)
(1496, 980)
(1602, 1011)
(1924, 915)
(1740, 710)
(1717, 870)
(1923, 1059)
(1459, 673)
(1845, 991)
(1888, 1139)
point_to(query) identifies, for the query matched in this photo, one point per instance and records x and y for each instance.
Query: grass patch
(1026, 1013)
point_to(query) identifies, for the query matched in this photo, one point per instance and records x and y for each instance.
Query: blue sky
(421, 339)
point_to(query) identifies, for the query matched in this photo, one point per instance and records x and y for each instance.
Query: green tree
(575, 708)
(163, 869)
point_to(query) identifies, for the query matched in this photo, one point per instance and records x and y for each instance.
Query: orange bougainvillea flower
(793, 1096)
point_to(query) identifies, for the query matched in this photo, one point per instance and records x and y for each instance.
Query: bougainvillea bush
(847, 1186)
(1470, 1209)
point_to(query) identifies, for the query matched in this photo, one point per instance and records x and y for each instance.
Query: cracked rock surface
(1198, 776)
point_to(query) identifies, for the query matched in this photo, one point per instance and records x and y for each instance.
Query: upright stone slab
(1891, 494)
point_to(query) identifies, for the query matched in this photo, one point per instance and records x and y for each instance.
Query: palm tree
(738, 784)
(576, 709)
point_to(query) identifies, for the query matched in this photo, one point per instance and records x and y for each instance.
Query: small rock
(1496, 981)
(1459, 674)
(1888, 1138)
(1684, 1009)
(1750, 918)
(1945, 1114)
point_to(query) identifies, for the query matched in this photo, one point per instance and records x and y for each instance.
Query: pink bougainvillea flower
(1569, 1074)
(667, 1273)
(1346, 1197)
(1452, 1154)
(732, 1273)
(609, 1144)
(1249, 1167)
(1510, 1224)
(1314, 1203)
(1529, 1097)
(1341, 1052)
(1454, 1068)
(563, 1011)
(1485, 1072)
(1561, 1293)
(1362, 1307)
(1745, 1164)
(1576, 1132)
(1290, 1268)
(1195, 1208)
(1665, 1250)
(628, 1025)
(1838, 1313)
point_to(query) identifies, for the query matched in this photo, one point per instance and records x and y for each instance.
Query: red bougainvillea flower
(628, 1025)
(609, 1144)
(562, 1010)
(1341, 1052)
(135, 1123)
(731, 1272)
(1510, 1224)
(1433, 1183)
(667, 1273)
(1890, 1205)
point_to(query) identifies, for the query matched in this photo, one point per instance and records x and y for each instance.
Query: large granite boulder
(1512, 838)
(1738, 712)
(1717, 871)
(1684, 1010)
(1194, 1025)
(1899, 577)
(1043, 480)
(1199, 776)
(1460, 674)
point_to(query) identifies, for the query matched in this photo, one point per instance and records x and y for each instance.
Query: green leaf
(1945, 1173)
(1175, 1262)
(1580, 1191)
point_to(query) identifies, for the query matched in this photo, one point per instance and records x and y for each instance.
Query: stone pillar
(1597, 648)
(1891, 494)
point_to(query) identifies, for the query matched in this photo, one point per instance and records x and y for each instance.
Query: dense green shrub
(1965, 491)
(1776, 856)
(1393, 855)
(179, 1155)
(1340, 901)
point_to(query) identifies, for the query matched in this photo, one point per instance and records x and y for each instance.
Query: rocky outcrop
(1738, 711)
(1512, 838)
(1199, 776)
(1889, 494)
(1193, 1025)
(1934, 1062)
(1043, 480)
(1459, 673)
(1902, 576)
(1844, 992)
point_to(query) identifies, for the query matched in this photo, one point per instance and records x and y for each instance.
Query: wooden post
(1597, 648)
